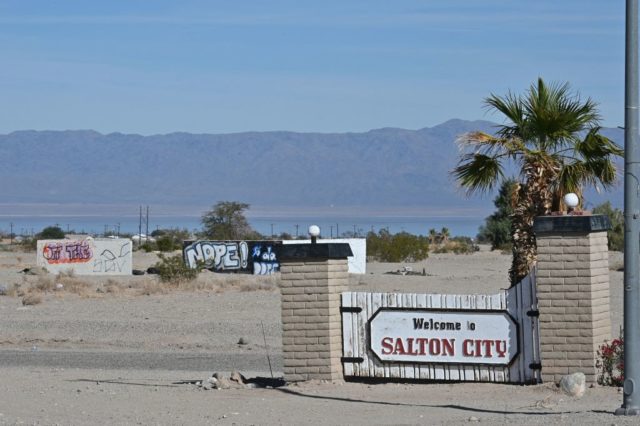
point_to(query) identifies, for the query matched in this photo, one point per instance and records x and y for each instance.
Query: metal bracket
(535, 366)
(533, 313)
(354, 359)
(355, 309)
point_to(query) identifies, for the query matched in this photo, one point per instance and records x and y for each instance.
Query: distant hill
(388, 167)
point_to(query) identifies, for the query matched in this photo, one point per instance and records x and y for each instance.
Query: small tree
(226, 221)
(615, 235)
(497, 227)
(51, 233)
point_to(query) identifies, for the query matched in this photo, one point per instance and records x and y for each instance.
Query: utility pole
(272, 230)
(11, 234)
(146, 236)
(331, 227)
(337, 231)
(354, 231)
(140, 228)
(631, 395)
(297, 230)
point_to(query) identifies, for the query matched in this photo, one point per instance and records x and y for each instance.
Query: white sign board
(86, 257)
(433, 336)
(357, 263)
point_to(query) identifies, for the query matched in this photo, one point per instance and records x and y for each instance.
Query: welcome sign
(438, 336)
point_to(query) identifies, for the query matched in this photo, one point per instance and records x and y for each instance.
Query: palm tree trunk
(532, 198)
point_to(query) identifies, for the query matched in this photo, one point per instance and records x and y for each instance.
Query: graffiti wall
(86, 257)
(255, 257)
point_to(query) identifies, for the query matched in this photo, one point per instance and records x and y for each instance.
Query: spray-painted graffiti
(217, 255)
(265, 260)
(67, 252)
(233, 256)
(113, 260)
(86, 257)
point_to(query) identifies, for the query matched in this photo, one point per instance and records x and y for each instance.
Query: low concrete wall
(89, 256)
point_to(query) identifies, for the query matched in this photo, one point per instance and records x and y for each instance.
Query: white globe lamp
(314, 231)
(571, 200)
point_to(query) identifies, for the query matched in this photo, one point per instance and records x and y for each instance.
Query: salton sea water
(330, 226)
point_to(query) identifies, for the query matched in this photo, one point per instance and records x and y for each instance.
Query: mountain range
(386, 168)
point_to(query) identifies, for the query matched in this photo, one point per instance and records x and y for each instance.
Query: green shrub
(173, 269)
(615, 235)
(51, 233)
(149, 246)
(401, 247)
(166, 243)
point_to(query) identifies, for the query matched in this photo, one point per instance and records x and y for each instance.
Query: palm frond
(555, 115)
(572, 177)
(595, 145)
(478, 172)
(603, 171)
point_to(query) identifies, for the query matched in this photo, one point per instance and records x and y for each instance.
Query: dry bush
(76, 286)
(69, 273)
(244, 283)
(113, 287)
(31, 299)
(44, 284)
(151, 287)
(12, 290)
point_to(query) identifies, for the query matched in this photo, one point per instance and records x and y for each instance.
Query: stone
(243, 341)
(573, 384)
(59, 286)
(237, 377)
(3, 290)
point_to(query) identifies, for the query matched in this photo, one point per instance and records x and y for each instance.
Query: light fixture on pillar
(314, 231)
(572, 201)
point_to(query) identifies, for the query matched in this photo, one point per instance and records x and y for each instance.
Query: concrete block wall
(311, 320)
(573, 300)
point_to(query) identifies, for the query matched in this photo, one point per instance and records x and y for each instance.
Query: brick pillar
(312, 278)
(573, 293)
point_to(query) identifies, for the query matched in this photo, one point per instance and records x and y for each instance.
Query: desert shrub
(170, 239)
(31, 299)
(149, 246)
(615, 235)
(44, 284)
(29, 244)
(173, 269)
(401, 247)
(611, 363)
(457, 245)
(165, 243)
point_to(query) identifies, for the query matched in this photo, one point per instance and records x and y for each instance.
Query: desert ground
(128, 350)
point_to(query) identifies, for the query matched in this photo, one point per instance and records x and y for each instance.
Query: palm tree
(444, 235)
(553, 137)
(433, 236)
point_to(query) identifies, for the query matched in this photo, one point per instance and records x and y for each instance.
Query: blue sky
(141, 66)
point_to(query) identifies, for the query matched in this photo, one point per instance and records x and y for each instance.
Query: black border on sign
(474, 311)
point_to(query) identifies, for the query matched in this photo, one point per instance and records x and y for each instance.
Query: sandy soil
(135, 315)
